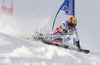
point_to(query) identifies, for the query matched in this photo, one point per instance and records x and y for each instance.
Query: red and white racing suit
(59, 33)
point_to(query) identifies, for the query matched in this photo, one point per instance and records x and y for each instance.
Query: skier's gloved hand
(65, 31)
(78, 44)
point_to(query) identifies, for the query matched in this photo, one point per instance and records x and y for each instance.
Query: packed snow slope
(37, 15)
(15, 51)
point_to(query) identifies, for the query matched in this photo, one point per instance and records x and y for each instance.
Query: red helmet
(72, 21)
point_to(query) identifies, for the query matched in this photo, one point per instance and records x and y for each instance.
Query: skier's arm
(64, 27)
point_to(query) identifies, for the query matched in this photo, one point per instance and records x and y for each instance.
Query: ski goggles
(72, 25)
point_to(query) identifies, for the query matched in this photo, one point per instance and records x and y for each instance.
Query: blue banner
(69, 7)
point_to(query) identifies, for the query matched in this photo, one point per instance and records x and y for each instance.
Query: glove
(65, 31)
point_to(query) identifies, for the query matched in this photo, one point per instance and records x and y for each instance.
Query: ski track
(15, 51)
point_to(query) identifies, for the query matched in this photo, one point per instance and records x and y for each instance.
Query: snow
(14, 50)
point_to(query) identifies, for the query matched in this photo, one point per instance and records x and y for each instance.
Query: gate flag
(68, 6)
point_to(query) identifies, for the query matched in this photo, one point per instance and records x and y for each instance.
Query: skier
(62, 34)
(66, 29)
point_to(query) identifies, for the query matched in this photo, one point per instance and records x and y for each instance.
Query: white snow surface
(15, 51)
(27, 19)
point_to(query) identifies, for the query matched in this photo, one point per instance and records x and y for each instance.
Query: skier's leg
(66, 38)
(76, 42)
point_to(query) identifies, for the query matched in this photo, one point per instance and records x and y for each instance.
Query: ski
(65, 46)
(50, 42)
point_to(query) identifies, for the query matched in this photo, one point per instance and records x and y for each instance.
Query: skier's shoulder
(64, 22)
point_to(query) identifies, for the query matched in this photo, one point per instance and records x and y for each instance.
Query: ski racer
(66, 29)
